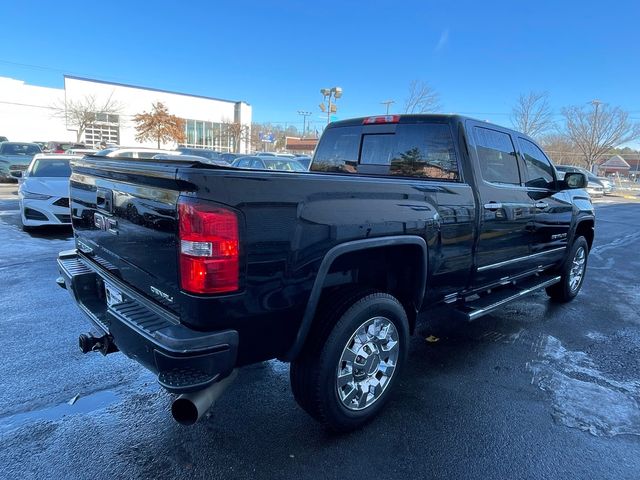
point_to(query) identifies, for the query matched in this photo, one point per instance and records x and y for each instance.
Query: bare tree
(532, 115)
(422, 98)
(82, 113)
(159, 125)
(597, 129)
(561, 149)
(238, 132)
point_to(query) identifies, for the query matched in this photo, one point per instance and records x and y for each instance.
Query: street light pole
(328, 94)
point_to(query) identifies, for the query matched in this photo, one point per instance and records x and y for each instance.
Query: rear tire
(352, 360)
(572, 273)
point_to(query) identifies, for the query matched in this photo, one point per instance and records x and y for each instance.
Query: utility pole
(387, 103)
(304, 121)
(595, 132)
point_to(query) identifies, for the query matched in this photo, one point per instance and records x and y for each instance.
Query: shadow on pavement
(52, 232)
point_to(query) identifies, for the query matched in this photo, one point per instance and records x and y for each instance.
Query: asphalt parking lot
(536, 390)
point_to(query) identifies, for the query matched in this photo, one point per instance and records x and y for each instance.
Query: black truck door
(506, 216)
(553, 208)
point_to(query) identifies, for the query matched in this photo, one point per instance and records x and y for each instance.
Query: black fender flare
(327, 261)
(581, 218)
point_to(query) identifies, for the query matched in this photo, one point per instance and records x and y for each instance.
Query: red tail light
(381, 119)
(59, 150)
(209, 248)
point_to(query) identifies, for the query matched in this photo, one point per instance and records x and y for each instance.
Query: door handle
(541, 205)
(492, 206)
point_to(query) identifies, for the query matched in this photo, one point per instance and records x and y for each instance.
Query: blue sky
(277, 55)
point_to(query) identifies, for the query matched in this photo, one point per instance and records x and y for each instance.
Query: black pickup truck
(194, 270)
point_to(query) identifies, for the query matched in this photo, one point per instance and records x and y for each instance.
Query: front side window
(497, 156)
(539, 170)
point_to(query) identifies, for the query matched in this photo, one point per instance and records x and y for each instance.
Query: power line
(63, 71)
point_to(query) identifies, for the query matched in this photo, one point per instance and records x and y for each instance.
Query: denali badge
(161, 294)
(105, 223)
(558, 236)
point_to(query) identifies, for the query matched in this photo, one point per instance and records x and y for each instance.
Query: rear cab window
(422, 150)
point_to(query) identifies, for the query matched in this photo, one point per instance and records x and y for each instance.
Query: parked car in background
(595, 187)
(15, 157)
(230, 157)
(200, 152)
(44, 191)
(133, 152)
(81, 151)
(607, 185)
(62, 147)
(42, 145)
(304, 160)
(268, 163)
(190, 158)
(265, 154)
(3, 139)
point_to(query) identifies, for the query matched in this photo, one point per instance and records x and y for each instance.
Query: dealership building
(33, 113)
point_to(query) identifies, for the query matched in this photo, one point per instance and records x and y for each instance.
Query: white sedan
(44, 191)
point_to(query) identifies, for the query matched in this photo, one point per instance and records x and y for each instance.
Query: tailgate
(124, 218)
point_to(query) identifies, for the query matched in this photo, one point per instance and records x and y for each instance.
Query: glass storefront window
(191, 132)
(202, 134)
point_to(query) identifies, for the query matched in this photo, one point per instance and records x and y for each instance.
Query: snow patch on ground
(18, 245)
(582, 396)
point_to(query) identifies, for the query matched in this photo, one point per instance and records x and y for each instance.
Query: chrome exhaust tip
(188, 408)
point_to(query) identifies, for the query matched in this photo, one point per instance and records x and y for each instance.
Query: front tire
(572, 273)
(352, 360)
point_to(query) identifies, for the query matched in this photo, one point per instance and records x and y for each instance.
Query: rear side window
(413, 150)
(256, 163)
(498, 162)
(147, 154)
(539, 170)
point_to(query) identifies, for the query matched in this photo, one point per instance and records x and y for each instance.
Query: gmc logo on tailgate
(105, 223)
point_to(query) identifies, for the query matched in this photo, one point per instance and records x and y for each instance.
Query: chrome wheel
(367, 363)
(577, 269)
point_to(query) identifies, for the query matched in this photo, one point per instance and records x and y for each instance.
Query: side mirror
(16, 174)
(575, 180)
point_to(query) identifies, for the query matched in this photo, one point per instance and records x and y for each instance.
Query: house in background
(614, 165)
